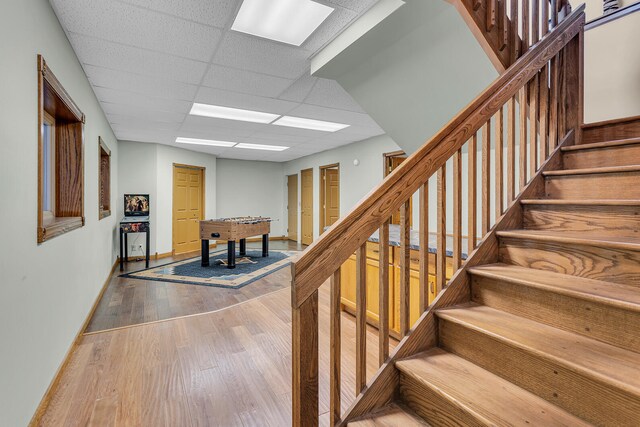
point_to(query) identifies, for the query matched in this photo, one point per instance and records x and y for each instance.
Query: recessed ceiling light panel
(232, 113)
(287, 21)
(261, 147)
(208, 142)
(299, 122)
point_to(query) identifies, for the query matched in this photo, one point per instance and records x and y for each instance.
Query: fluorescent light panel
(209, 142)
(232, 113)
(261, 147)
(287, 21)
(299, 122)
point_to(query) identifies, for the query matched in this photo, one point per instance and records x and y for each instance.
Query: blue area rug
(248, 269)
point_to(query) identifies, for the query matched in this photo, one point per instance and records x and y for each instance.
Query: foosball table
(232, 229)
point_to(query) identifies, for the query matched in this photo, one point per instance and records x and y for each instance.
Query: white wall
(355, 181)
(148, 168)
(47, 290)
(251, 188)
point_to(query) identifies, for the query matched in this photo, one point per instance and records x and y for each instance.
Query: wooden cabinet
(348, 283)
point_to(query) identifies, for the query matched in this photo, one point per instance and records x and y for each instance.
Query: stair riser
(624, 155)
(603, 322)
(615, 221)
(607, 264)
(594, 186)
(433, 407)
(578, 392)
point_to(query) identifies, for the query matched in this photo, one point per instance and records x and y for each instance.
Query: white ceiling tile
(141, 113)
(225, 98)
(209, 124)
(101, 77)
(330, 28)
(332, 115)
(299, 90)
(120, 22)
(260, 55)
(244, 81)
(140, 101)
(210, 12)
(125, 58)
(359, 6)
(329, 93)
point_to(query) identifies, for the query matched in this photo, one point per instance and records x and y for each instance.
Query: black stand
(231, 254)
(231, 250)
(265, 245)
(127, 227)
(205, 253)
(243, 247)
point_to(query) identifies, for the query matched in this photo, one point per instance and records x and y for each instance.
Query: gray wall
(47, 290)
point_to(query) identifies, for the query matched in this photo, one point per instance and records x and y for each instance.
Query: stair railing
(498, 124)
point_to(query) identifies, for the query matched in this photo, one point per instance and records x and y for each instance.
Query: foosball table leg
(205, 253)
(265, 245)
(243, 247)
(231, 254)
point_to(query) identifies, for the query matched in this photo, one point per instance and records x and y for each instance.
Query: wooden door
(392, 163)
(329, 197)
(188, 208)
(307, 206)
(292, 207)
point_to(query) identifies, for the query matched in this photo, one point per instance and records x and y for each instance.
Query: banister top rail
(321, 259)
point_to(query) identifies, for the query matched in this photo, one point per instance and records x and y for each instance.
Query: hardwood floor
(227, 368)
(133, 301)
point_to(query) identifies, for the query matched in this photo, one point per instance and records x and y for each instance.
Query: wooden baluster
(511, 149)
(457, 210)
(491, 14)
(554, 13)
(477, 4)
(544, 113)
(525, 25)
(562, 94)
(533, 125)
(441, 255)
(499, 166)
(503, 26)
(486, 179)
(304, 347)
(424, 248)
(334, 358)
(361, 318)
(515, 31)
(553, 105)
(523, 137)
(405, 272)
(472, 194)
(535, 21)
(383, 299)
(544, 18)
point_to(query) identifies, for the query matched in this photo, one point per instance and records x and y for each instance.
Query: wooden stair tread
(592, 171)
(614, 242)
(582, 202)
(610, 364)
(390, 416)
(599, 145)
(619, 295)
(490, 398)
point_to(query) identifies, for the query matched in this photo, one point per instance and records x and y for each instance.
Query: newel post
(304, 358)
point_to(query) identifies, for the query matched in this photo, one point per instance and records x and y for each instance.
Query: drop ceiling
(148, 61)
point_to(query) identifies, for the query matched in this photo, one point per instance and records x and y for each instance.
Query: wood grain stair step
(608, 312)
(390, 416)
(623, 152)
(607, 258)
(593, 171)
(446, 389)
(611, 182)
(618, 218)
(601, 145)
(593, 380)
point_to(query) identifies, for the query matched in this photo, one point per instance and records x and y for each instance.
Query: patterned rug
(248, 269)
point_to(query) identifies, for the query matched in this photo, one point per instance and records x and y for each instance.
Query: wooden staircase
(540, 323)
(550, 333)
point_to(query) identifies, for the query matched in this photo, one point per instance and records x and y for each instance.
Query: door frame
(203, 192)
(308, 170)
(385, 160)
(322, 204)
(295, 207)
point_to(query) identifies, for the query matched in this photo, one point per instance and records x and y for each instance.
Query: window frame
(103, 151)
(68, 168)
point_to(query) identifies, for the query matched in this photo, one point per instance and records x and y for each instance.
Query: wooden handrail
(324, 256)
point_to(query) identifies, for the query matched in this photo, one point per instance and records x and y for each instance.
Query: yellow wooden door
(188, 209)
(292, 207)
(307, 206)
(331, 193)
(393, 163)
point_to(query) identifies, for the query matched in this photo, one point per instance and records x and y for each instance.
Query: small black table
(133, 224)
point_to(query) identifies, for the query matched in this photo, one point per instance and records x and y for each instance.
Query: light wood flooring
(226, 368)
